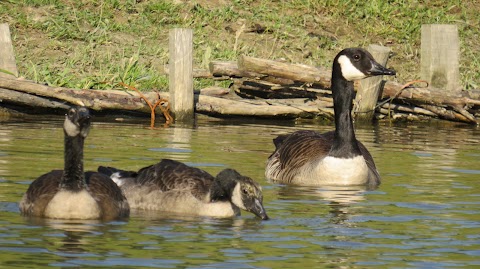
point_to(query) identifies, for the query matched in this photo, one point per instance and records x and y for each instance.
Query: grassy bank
(95, 44)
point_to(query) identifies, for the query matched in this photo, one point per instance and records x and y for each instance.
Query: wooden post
(440, 52)
(8, 67)
(181, 74)
(369, 90)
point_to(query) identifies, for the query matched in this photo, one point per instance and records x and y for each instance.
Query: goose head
(245, 193)
(77, 122)
(357, 63)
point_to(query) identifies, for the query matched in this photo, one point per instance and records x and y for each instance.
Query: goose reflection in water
(70, 237)
(340, 199)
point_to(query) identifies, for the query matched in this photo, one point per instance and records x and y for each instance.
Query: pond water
(426, 213)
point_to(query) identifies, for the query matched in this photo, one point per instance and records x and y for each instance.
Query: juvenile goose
(71, 193)
(172, 186)
(336, 157)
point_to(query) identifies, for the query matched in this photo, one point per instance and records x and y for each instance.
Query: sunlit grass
(95, 44)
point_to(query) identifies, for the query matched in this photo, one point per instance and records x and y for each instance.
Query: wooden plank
(8, 67)
(440, 53)
(369, 90)
(181, 74)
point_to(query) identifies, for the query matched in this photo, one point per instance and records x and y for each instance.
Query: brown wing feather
(40, 193)
(293, 151)
(173, 175)
(108, 195)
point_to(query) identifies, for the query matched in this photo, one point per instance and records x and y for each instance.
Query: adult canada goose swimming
(336, 157)
(71, 193)
(172, 186)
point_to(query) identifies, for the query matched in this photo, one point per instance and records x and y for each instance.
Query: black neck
(344, 144)
(221, 190)
(73, 174)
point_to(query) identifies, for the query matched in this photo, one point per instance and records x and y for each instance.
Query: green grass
(96, 44)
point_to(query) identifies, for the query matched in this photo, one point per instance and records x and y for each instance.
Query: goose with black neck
(72, 193)
(336, 157)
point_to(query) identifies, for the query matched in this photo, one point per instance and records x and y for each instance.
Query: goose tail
(118, 176)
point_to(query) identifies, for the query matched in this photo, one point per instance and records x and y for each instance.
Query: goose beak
(378, 70)
(259, 210)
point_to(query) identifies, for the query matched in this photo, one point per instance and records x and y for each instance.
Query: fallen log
(433, 99)
(408, 109)
(55, 97)
(250, 88)
(294, 72)
(220, 106)
(229, 69)
(303, 82)
(427, 95)
(28, 94)
(25, 99)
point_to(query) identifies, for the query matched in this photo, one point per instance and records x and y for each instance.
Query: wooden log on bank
(229, 69)
(432, 97)
(220, 106)
(252, 88)
(32, 94)
(293, 72)
(29, 94)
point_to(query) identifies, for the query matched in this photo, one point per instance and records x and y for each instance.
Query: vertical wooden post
(7, 57)
(369, 90)
(440, 53)
(181, 74)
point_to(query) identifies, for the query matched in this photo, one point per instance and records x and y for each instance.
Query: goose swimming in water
(336, 157)
(172, 186)
(71, 193)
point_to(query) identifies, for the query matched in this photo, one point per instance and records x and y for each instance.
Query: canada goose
(336, 157)
(173, 186)
(71, 193)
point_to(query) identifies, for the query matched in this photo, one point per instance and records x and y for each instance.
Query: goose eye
(245, 191)
(356, 57)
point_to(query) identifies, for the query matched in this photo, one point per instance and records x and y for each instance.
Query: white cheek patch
(70, 128)
(349, 71)
(237, 197)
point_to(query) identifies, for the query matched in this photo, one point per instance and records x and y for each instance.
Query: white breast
(72, 205)
(335, 171)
